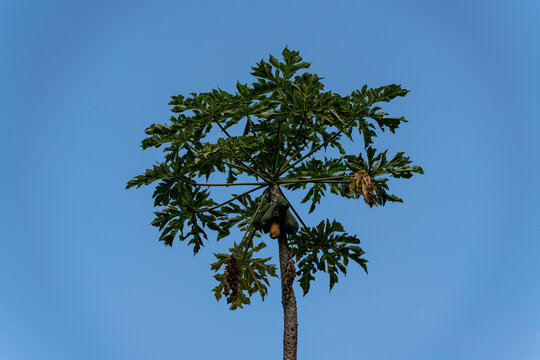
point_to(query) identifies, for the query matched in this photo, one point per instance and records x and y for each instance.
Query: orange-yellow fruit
(274, 230)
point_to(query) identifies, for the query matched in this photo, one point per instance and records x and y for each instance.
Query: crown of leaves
(271, 131)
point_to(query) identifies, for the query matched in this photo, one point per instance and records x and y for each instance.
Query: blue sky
(453, 271)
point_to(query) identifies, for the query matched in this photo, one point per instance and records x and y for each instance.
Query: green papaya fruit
(276, 214)
(282, 206)
(282, 203)
(259, 215)
(290, 225)
(266, 221)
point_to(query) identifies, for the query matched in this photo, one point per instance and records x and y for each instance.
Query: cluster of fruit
(275, 218)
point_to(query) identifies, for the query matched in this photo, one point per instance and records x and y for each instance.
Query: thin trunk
(288, 299)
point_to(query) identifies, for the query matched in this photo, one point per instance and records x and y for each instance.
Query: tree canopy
(271, 131)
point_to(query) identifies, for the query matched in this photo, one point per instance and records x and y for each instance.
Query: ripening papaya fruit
(275, 230)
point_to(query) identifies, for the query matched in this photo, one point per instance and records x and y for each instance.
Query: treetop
(271, 130)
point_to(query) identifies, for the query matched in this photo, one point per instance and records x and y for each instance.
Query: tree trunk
(288, 299)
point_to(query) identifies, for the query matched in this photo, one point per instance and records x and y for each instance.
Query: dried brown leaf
(364, 185)
(288, 279)
(232, 278)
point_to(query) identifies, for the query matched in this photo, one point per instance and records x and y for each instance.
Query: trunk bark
(288, 299)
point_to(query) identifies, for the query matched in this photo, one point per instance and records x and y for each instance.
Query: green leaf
(254, 273)
(326, 247)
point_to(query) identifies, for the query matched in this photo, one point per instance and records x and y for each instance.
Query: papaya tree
(267, 140)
